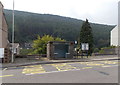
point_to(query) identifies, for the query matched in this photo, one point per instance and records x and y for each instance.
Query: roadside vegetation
(103, 50)
(25, 51)
(40, 44)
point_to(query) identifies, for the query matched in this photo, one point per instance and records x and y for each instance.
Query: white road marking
(5, 69)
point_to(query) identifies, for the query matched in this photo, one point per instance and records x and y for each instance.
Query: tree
(40, 44)
(86, 36)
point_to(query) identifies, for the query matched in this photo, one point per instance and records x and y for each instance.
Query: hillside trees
(29, 25)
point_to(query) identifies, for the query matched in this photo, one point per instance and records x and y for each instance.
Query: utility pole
(13, 34)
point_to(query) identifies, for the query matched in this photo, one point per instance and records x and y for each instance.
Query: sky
(96, 11)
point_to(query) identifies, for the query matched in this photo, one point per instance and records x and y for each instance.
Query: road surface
(75, 72)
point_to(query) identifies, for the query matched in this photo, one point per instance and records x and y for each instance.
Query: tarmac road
(75, 72)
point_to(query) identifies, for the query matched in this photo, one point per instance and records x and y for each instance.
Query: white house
(115, 33)
(119, 28)
(119, 23)
(114, 37)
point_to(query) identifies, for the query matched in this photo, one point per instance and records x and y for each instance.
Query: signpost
(85, 47)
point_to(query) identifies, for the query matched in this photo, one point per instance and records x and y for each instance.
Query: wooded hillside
(29, 25)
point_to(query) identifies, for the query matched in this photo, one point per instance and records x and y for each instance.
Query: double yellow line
(6, 76)
(33, 69)
(63, 67)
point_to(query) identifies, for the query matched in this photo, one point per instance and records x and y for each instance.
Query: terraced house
(4, 43)
(115, 33)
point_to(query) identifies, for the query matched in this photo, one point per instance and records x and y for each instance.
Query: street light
(13, 34)
(75, 42)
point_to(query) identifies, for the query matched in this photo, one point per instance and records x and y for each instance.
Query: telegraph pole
(13, 34)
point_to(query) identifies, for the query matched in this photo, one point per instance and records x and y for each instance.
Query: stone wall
(50, 50)
(4, 36)
(111, 51)
(5, 33)
(1, 9)
(3, 29)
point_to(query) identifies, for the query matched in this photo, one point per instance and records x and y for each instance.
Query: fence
(31, 57)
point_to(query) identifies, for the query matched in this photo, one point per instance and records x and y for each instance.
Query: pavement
(24, 61)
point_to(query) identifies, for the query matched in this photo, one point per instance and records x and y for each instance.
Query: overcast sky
(96, 11)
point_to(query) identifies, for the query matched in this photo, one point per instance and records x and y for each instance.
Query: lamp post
(76, 48)
(13, 34)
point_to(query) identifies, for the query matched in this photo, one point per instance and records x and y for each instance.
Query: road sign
(1, 52)
(85, 46)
